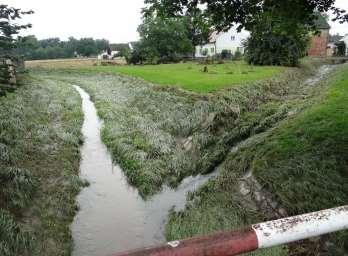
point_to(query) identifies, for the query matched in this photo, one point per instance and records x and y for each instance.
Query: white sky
(115, 20)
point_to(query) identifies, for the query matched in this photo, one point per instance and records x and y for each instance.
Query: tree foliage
(162, 40)
(8, 27)
(245, 13)
(53, 48)
(273, 41)
(278, 29)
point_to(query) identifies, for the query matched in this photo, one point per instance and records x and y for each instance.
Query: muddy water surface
(112, 216)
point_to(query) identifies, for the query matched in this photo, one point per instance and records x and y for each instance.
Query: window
(233, 38)
(212, 50)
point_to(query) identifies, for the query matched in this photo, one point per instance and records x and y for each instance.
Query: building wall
(7, 71)
(319, 43)
(211, 50)
(230, 40)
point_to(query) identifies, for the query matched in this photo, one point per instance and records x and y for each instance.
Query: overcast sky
(115, 20)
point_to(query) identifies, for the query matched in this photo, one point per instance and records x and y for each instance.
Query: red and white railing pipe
(263, 235)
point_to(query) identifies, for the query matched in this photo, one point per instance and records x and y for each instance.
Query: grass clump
(13, 239)
(17, 187)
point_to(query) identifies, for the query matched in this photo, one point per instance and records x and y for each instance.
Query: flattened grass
(39, 161)
(190, 76)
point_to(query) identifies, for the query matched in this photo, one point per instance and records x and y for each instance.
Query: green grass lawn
(190, 76)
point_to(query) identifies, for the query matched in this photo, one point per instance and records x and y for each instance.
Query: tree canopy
(54, 48)
(279, 29)
(162, 40)
(245, 13)
(8, 27)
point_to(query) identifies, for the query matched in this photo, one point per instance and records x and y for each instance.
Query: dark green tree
(276, 41)
(164, 40)
(271, 22)
(197, 23)
(245, 13)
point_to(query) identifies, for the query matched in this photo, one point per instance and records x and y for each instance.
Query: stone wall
(7, 72)
(319, 44)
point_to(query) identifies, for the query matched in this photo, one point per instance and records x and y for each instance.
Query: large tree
(245, 13)
(197, 23)
(164, 39)
(278, 29)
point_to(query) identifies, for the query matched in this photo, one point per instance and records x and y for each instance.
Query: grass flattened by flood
(39, 161)
(302, 162)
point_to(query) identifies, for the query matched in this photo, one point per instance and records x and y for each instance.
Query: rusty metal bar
(263, 235)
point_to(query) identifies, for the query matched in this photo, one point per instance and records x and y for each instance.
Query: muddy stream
(112, 216)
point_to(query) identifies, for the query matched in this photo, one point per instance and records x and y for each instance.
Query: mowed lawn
(190, 76)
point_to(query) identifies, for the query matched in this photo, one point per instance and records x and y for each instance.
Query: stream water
(112, 216)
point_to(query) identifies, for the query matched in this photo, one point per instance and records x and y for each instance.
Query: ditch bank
(298, 166)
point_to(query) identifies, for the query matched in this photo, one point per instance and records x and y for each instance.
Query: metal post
(263, 235)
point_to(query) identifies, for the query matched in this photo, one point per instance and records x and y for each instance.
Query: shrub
(226, 54)
(237, 55)
(13, 240)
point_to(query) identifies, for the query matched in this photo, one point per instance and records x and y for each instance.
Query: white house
(232, 40)
(105, 56)
(345, 40)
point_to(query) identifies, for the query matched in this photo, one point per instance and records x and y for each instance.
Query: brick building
(319, 42)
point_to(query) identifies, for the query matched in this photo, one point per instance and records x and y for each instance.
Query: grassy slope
(303, 162)
(39, 160)
(189, 76)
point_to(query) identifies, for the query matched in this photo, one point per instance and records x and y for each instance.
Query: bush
(226, 54)
(237, 55)
(274, 49)
(271, 42)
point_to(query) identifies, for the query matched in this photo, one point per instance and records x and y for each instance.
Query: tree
(163, 40)
(197, 23)
(245, 13)
(8, 28)
(272, 23)
(273, 41)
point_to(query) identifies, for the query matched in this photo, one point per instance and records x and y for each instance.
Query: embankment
(299, 166)
(40, 137)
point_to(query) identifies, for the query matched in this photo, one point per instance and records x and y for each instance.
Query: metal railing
(263, 235)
